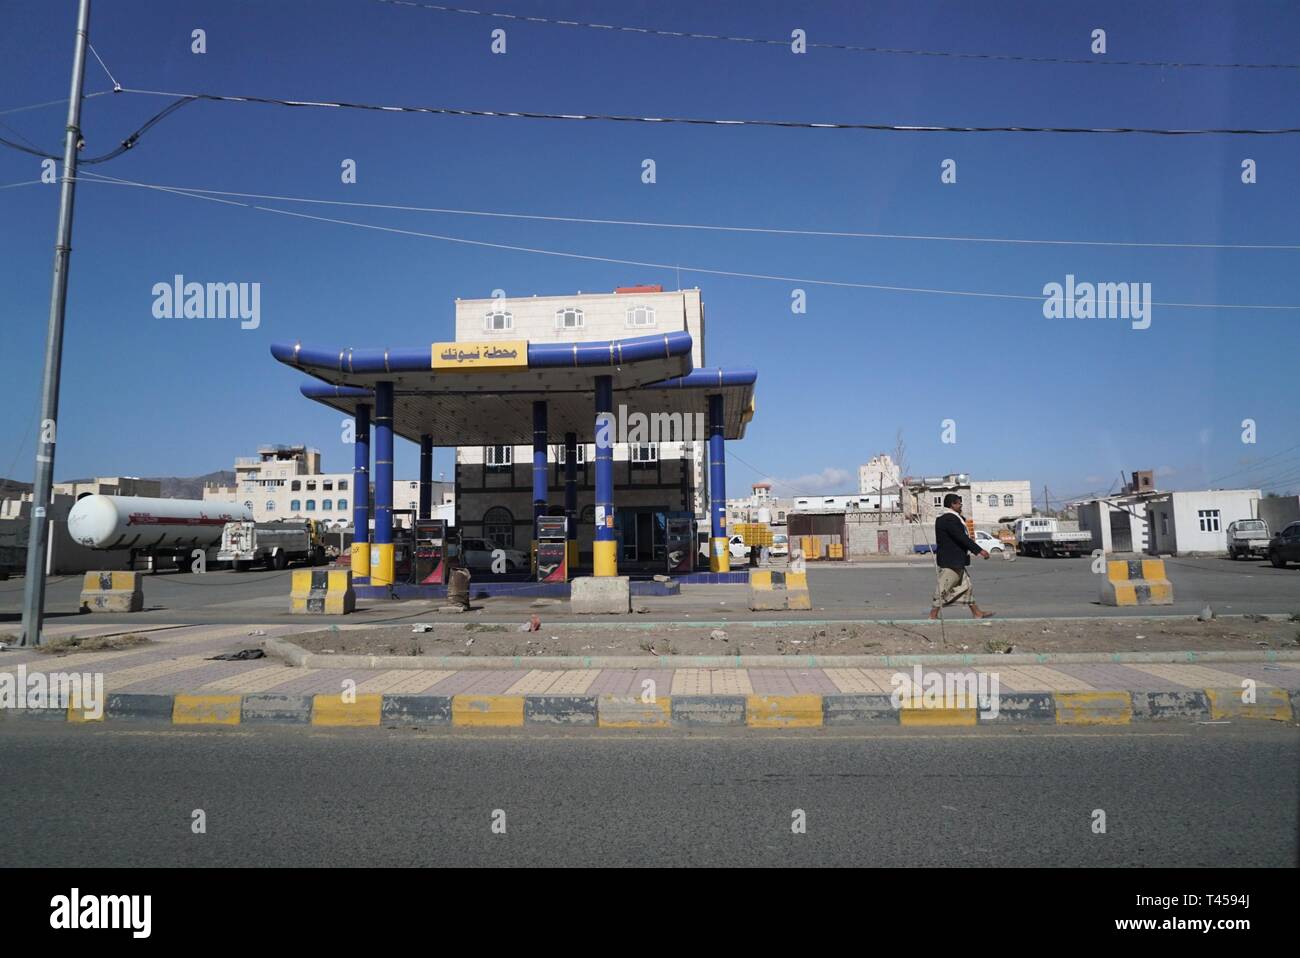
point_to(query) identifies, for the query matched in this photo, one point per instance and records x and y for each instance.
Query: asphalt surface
(1024, 588)
(1173, 795)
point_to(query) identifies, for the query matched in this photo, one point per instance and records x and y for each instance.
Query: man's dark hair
(949, 499)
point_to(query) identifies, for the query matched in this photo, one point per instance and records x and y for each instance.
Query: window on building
(569, 318)
(993, 502)
(327, 485)
(311, 485)
(295, 505)
(343, 485)
(499, 527)
(295, 486)
(640, 316)
(1008, 501)
(343, 505)
(938, 501)
(498, 458)
(412, 505)
(1164, 524)
(644, 453)
(270, 505)
(1209, 519)
(780, 517)
(977, 497)
(581, 457)
(498, 319)
(327, 505)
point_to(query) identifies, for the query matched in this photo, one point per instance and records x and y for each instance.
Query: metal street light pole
(34, 587)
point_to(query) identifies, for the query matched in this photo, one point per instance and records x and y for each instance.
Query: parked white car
(780, 545)
(989, 543)
(478, 555)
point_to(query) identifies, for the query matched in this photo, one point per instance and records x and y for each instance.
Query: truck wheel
(239, 565)
(318, 556)
(280, 561)
(1045, 551)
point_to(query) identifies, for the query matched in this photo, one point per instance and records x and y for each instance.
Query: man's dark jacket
(951, 543)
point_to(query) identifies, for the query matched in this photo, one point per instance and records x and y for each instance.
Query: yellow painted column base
(719, 557)
(381, 564)
(604, 558)
(361, 559)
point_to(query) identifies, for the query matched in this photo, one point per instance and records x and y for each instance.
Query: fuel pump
(679, 541)
(552, 549)
(432, 563)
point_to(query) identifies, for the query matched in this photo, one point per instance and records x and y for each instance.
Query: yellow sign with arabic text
(500, 354)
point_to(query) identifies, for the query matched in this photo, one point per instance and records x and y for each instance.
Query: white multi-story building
(494, 490)
(989, 502)
(880, 472)
(286, 482)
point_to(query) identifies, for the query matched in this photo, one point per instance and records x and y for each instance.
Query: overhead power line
(847, 47)
(736, 274)
(705, 121)
(122, 147)
(657, 224)
(37, 106)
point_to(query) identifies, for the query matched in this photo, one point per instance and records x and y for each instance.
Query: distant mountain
(173, 487)
(179, 487)
(12, 488)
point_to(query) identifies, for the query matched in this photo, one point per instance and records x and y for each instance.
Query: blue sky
(1066, 403)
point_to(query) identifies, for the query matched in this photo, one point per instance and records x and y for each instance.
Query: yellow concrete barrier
(112, 592)
(494, 711)
(1093, 708)
(783, 711)
(322, 592)
(206, 709)
(333, 709)
(776, 591)
(1270, 704)
(1136, 582)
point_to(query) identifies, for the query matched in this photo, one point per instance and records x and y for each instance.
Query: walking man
(953, 549)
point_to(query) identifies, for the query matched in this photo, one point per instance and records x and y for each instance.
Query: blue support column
(361, 496)
(426, 477)
(571, 497)
(539, 469)
(381, 552)
(605, 546)
(719, 552)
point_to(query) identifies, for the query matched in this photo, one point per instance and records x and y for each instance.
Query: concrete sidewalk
(173, 680)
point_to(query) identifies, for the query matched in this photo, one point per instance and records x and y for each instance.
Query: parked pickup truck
(1247, 537)
(1038, 536)
(273, 544)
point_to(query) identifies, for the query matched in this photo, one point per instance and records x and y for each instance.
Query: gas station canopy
(482, 393)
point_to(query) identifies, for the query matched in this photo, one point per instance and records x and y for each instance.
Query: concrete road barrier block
(1188, 704)
(322, 592)
(560, 710)
(1270, 704)
(1136, 582)
(270, 707)
(764, 594)
(112, 592)
(630, 711)
(492, 711)
(416, 710)
(601, 595)
(708, 710)
(797, 595)
(1093, 708)
(783, 711)
(858, 709)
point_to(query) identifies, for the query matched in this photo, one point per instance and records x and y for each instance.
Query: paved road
(1177, 795)
(1023, 588)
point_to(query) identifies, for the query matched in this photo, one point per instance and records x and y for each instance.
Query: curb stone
(684, 711)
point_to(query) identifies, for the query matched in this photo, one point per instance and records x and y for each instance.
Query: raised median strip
(611, 711)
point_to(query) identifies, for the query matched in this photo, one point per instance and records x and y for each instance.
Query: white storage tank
(143, 524)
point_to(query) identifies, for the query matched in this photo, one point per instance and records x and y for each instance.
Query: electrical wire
(735, 274)
(683, 35)
(704, 121)
(37, 106)
(659, 224)
(125, 145)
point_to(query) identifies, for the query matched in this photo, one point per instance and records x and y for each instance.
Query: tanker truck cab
(272, 544)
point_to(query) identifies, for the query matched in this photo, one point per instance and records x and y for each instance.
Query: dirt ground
(1112, 635)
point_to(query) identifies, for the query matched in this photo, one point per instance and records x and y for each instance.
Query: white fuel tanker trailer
(152, 527)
